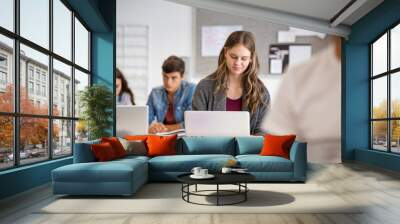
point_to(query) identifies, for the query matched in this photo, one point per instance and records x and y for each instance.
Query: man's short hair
(173, 64)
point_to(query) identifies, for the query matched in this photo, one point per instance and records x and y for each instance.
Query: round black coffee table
(238, 179)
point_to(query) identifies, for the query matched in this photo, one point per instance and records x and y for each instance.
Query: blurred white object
(308, 104)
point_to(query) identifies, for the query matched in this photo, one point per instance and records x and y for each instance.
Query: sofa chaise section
(87, 177)
(102, 178)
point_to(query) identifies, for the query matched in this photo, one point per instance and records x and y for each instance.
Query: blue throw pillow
(208, 145)
(83, 153)
(249, 145)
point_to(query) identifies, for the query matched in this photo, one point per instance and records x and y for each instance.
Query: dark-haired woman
(123, 92)
(235, 85)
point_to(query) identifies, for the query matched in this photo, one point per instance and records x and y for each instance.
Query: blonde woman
(234, 86)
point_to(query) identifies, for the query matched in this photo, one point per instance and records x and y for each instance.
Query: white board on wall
(299, 53)
(213, 38)
(133, 58)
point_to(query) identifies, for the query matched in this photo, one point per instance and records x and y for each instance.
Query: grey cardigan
(205, 99)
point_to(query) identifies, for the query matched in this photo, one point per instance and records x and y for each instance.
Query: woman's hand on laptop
(157, 127)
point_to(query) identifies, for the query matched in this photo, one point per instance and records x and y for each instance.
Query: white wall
(273, 83)
(170, 28)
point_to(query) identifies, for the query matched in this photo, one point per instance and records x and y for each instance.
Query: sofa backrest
(249, 145)
(83, 152)
(192, 145)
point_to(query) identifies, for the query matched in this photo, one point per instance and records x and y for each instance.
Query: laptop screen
(217, 123)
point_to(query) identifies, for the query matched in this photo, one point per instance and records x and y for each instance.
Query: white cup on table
(196, 170)
(203, 172)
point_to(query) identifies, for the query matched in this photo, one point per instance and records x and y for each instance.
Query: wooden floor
(377, 188)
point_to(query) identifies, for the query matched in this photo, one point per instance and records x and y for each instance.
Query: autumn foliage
(380, 127)
(33, 130)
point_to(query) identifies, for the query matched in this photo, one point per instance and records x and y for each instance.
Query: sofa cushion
(249, 145)
(83, 152)
(185, 163)
(133, 157)
(112, 171)
(208, 145)
(257, 163)
(93, 172)
(134, 162)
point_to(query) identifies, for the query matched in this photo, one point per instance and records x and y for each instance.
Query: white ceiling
(313, 15)
(320, 9)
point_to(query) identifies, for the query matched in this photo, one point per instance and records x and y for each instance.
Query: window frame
(3, 77)
(16, 115)
(388, 74)
(3, 71)
(5, 59)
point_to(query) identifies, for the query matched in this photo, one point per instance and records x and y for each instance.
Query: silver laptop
(217, 123)
(132, 120)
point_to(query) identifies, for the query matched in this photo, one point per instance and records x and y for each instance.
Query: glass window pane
(35, 21)
(395, 94)
(81, 131)
(81, 81)
(81, 45)
(62, 138)
(6, 142)
(7, 14)
(379, 98)
(62, 29)
(379, 135)
(34, 80)
(33, 139)
(62, 89)
(395, 47)
(395, 136)
(379, 55)
(6, 74)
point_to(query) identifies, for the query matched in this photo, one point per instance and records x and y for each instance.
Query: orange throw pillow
(136, 137)
(103, 152)
(161, 145)
(116, 145)
(277, 145)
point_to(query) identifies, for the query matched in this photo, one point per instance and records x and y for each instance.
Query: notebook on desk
(132, 120)
(217, 123)
(178, 132)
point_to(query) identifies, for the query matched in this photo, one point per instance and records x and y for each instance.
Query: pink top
(234, 105)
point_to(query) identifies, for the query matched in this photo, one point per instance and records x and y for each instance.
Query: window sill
(26, 167)
(381, 159)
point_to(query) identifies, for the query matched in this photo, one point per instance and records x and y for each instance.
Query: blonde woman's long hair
(252, 86)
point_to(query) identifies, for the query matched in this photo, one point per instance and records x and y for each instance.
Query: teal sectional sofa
(125, 176)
